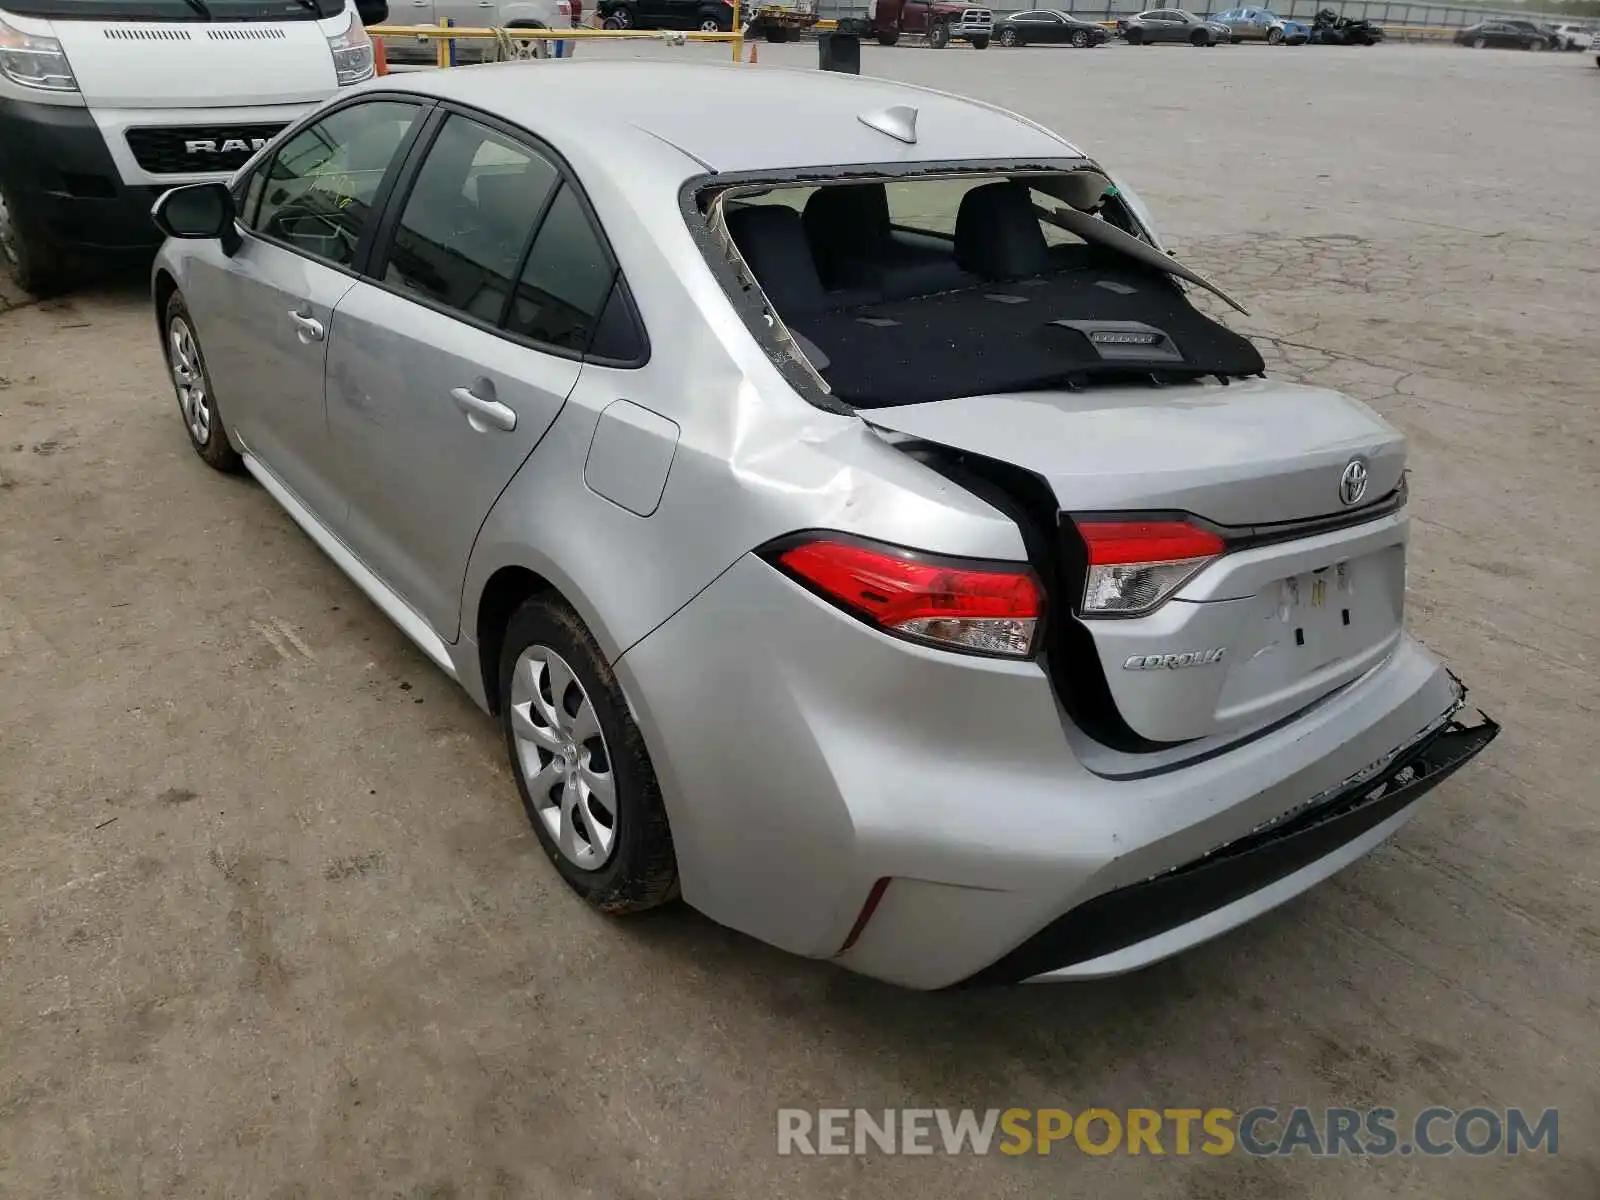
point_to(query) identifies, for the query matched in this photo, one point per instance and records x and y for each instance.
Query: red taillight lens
(1135, 565)
(978, 609)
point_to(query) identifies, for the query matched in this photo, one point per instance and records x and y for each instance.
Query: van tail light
(958, 604)
(1135, 565)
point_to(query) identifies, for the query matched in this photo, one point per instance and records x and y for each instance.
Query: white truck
(105, 104)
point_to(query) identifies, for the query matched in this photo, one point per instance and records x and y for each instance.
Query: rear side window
(563, 289)
(320, 186)
(468, 219)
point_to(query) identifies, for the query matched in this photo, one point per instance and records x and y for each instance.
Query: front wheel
(192, 382)
(980, 43)
(1009, 38)
(580, 763)
(1080, 39)
(1199, 38)
(30, 257)
(620, 18)
(1479, 44)
(939, 37)
(889, 37)
(710, 24)
(777, 33)
(1274, 37)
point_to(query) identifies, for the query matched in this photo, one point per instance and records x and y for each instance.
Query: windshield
(175, 10)
(912, 289)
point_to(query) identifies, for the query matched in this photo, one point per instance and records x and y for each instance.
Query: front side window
(319, 187)
(468, 219)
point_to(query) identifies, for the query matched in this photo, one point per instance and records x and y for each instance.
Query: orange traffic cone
(755, 56)
(380, 58)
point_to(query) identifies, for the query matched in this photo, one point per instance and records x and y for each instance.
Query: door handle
(307, 328)
(482, 414)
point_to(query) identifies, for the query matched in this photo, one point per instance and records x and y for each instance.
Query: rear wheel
(1008, 37)
(192, 382)
(1479, 44)
(1135, 37)
(980, 43)
(777, 33)
(888, 37)
(1199, 38)
(580, 763)
(32, 260)
(621, 18)
(1080, 38)
(709, 23)
(939, 36)
(1274, 36)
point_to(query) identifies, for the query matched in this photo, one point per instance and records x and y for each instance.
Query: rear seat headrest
(846, 220)
(998, 234)
(773, 242)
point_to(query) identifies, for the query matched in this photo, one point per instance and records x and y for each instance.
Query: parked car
(1570, 36)
(1539, 28)
(1049, 26)
(705, 16)
(508, 14)
(939, 22)
(1263, 25)
(1328, 28)
(1172, 25)
(1500, 35)
(890, 559)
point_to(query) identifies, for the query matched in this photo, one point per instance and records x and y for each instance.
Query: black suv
(707, 16)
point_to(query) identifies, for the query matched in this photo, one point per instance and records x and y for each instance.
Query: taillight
(956, 604)
(1135, 565)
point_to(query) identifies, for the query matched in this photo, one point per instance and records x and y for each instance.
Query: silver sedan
(858, 533)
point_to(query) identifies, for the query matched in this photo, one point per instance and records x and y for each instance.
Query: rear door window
(318, 190)
(468, 219)
(563, 289)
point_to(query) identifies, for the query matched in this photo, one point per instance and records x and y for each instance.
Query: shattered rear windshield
(906, 290)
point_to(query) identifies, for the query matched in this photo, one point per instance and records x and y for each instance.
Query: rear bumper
(1142, 923)
(805, 758)
(56, 167)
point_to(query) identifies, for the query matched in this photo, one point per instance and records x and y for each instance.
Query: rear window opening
(908, 290)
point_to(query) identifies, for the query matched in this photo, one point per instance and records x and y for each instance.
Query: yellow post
(443, 58)
(738, 30)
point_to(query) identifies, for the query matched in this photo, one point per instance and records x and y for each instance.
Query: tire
(191, 383)
(620, 18)
(1479, 44)
(1009, 38)
(939, 36)
(1274, 37)
(777, 33)
(980, 43)
(889, 37)
(30, 258)
(709, 24)
(1199, 38)
(628, 865)
(1135, 37)
(1080, 39)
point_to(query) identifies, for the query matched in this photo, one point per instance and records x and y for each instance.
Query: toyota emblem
(1353, 482)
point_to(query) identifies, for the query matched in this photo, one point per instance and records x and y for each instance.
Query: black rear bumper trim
(1129, 915)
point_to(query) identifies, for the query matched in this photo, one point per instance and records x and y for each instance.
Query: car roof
(727, 118)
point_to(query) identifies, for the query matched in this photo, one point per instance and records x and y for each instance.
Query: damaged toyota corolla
(862, 533)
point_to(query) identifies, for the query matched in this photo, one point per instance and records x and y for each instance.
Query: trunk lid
(1308, 595)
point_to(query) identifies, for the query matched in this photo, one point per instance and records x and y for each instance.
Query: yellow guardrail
(445, 34)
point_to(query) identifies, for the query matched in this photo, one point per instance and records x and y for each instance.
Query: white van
(105, 104)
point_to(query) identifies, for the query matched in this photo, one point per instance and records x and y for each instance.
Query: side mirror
(198, 211)
(373, 12)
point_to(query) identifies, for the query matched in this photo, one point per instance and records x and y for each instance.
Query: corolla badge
(1353, 482)
(1172, 662)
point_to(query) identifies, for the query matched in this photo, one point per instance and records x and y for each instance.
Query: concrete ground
(272, 923)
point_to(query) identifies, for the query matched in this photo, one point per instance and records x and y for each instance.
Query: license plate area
(1321, 611)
